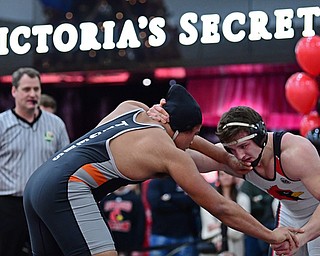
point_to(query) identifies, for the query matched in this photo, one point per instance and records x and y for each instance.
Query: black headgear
(259, 133)
(258, 129)
(184, 111)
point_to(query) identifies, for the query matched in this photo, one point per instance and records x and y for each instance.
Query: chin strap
(256, 162)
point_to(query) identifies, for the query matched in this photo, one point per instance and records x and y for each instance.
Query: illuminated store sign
(193, 28)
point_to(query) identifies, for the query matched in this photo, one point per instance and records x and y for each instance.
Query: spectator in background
(48, 103)
(175, 218)
(262, 210)
(125, 214)
(225, 239)
(143, 189)
(28, 137)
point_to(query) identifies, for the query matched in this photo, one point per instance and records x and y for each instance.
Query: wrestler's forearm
(244, 222)
(311, 228)
(209, 149)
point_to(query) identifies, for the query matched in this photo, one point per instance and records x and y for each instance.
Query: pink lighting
(51, 78)
(5, 79)
(111, 77)
(94, 77)
(170, 73)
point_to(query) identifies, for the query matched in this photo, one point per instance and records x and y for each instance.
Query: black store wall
(82, 106)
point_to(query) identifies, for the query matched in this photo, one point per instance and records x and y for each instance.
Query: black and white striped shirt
(24, 147)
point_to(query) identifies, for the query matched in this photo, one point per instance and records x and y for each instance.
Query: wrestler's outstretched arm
(217, 154)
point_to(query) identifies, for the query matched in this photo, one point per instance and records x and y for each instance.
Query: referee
(28, 137)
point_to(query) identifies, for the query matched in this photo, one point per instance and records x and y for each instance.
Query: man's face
(27, 94)
(184, 139)
(246, 150)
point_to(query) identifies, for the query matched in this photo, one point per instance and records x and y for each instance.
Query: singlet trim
(277, 137)
(145, 125)
(255, 171)
(134, 117)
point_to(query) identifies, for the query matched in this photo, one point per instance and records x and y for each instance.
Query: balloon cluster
(302, 90)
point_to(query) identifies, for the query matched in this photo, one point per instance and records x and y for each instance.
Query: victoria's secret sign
(193, 28)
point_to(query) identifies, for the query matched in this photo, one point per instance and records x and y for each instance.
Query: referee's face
(27, 93)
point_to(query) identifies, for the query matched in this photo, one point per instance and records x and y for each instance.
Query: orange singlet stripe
(94, 173)
(75, 179)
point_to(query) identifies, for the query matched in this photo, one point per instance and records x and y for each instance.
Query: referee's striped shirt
(24, 147)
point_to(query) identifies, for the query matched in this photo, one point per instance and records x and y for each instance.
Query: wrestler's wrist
(229, 159)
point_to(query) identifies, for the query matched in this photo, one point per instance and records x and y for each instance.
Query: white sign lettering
(235, 27)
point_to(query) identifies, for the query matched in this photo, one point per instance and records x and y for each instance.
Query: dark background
(172, 53)
(82, 105)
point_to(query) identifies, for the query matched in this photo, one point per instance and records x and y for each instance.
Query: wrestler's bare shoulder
(123, 108)
(148, 150)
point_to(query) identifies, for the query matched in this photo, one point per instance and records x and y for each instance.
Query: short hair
(241, 114)
(31, 72)
(48, 102)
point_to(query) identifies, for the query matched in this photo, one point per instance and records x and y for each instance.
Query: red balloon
(308, 54)
(309, 122)
(302, 92)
